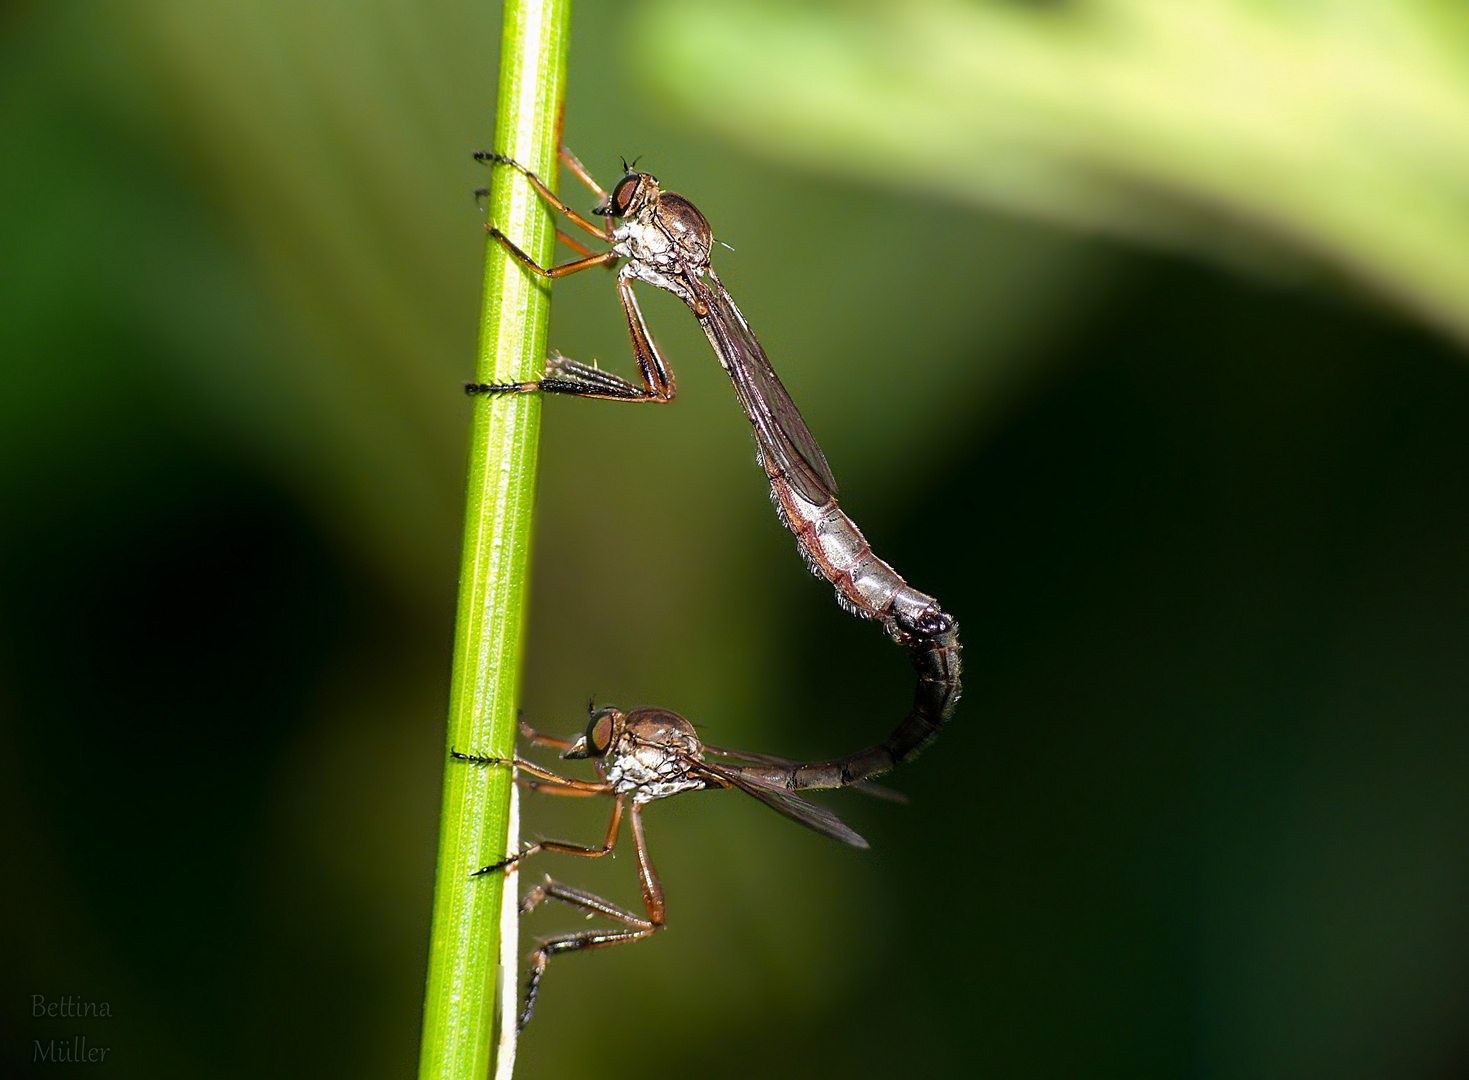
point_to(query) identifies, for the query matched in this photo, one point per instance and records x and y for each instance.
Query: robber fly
(642, 755)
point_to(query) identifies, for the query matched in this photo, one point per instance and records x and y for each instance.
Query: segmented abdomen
(835, 549)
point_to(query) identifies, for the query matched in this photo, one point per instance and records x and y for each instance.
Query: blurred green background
(1135, 334)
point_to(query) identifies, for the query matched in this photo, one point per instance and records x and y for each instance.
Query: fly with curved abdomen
(642, 755)
(666, 242)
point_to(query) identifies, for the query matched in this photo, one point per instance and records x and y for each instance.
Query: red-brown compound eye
(599, 732)
(622, 195)
(631, 191)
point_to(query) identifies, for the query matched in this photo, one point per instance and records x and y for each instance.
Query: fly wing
(816, 818)
(785, 441)
(867, 787)
(747, 756)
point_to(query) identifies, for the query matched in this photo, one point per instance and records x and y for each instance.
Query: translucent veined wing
(817, 818)
(867, 787)
(785, 440)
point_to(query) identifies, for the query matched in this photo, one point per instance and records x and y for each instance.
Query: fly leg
(530, 733)
(562, 235)
(565, 376)
(545, 780)
(545, 192)
(636, 928)
(564, 847)
(550, 889)
(553, 741)
(589, 258)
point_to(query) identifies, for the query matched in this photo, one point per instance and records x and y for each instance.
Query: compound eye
(625, 194)
(599, 732)
(622, 195)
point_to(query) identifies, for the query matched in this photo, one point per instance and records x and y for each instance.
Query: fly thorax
(644, 241)
(647, 781)
(660, 789)
(648, 771)
(647, 273)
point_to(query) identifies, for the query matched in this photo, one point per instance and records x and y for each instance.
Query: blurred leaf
(1333, 131)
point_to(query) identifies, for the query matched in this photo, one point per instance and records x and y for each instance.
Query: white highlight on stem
(509, 980)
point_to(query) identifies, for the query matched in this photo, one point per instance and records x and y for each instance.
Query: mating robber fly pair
(663, 240)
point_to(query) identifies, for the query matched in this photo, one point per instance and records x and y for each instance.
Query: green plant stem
(460, 1002)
